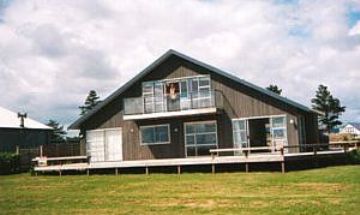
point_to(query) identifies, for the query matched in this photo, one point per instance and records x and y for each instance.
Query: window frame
(154, 126)
(201, 133)
(284, 127)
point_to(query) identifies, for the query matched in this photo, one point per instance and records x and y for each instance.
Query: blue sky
(53, 52)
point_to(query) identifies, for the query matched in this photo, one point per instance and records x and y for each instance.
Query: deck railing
(178, 102)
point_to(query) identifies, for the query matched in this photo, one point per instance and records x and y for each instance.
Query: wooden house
(24, 133)
(179, 107)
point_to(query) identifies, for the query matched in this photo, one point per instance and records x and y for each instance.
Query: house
(21, 131)
(351, 128)
(179, 107)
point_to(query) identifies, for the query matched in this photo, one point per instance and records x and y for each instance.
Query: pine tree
(91, 101)
(275, 89)
(58, 134)
(330, 106)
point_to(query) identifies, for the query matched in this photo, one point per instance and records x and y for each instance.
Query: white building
(351, 128)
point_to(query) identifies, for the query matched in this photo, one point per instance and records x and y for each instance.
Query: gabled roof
(9, 119)
(161, 60)
(354, 124)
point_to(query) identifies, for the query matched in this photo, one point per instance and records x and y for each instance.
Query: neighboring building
(13, 133)
(352, 128)
(179, 107)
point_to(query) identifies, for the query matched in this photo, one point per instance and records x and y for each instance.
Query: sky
(52, 53)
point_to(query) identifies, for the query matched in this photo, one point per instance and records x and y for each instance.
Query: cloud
(56, 51)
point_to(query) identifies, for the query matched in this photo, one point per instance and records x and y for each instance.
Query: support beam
(213, 170)
(283, 160)
(17, 150)
(147, 170)
(116, 171)
(246, 167)
(87, 172)
(60, 172)
(179, 170)
(283, 166)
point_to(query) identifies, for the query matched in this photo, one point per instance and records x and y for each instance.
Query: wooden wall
(240, 101)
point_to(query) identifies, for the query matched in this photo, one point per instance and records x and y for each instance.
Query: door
(240, 128)
(279, 132)
(95, 145)
(104, 144)
(173, 97)
(113, 140)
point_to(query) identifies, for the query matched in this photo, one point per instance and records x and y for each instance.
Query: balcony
(151, 107)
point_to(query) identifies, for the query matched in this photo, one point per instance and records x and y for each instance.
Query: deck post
(17, 150)
(179, 170)
(116, 171)
(283, 160)
(315, 157)
(213, 168)
(87, 172)
(41, 151)
(246, 163)
(147, 170)
(60, 172)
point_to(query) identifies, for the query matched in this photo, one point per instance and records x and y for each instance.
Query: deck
(181, 162)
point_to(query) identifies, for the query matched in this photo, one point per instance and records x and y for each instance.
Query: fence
(51, 150)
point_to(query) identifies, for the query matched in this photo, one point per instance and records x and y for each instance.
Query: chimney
(22, 116)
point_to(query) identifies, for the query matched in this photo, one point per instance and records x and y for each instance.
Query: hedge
(354, 156)
(9, 163)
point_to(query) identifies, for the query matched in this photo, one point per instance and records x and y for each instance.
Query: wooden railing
(315, 149)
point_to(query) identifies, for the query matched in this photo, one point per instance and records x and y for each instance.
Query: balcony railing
(166, 103)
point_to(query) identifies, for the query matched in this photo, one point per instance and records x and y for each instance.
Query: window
(200, 138)
(201, 92)
(153, 93)
(159, 134)
(278, 127)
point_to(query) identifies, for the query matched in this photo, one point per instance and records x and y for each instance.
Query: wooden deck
(181, 162)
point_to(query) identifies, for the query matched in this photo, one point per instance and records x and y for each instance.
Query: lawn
(334, 190)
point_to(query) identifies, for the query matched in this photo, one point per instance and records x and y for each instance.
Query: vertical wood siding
(239, 101)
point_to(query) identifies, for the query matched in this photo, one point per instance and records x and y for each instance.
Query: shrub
(354, 156)
(9, 163)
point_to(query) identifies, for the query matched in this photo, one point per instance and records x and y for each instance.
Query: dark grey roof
(164, 57)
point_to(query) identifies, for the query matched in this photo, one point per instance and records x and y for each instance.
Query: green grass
(334, 190)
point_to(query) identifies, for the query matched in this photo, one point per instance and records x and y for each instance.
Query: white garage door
(104, 144)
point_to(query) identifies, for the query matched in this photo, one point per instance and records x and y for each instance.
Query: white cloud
(53, 52)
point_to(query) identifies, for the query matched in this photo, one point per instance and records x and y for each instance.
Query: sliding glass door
(153, 93)
(240, 134)
(270, 131)
(278, 131)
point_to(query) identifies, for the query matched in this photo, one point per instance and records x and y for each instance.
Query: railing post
(17, 150)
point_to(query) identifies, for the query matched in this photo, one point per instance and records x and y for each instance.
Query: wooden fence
(51, 150)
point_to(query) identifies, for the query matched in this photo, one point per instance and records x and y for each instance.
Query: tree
(58, 134)
(91, 101)
(330, 106)
(274, 88)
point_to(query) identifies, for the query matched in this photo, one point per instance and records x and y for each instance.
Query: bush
(354, 156)
(9, 163)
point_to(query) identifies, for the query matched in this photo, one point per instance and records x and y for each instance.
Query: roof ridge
(163, 57)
